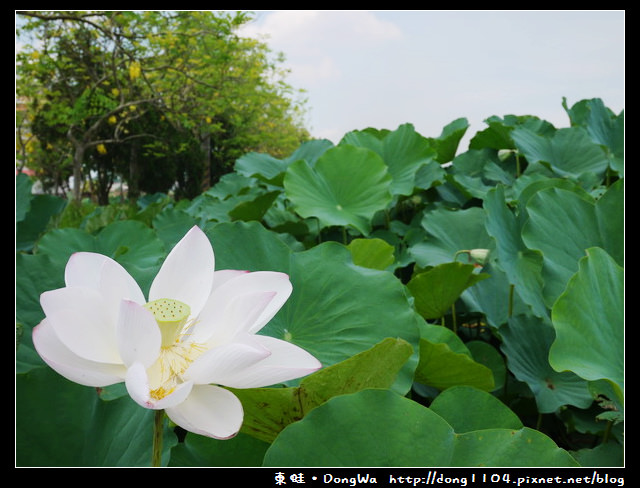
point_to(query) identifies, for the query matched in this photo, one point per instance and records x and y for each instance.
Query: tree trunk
(205, 145)
(134, 173)
(78, 158)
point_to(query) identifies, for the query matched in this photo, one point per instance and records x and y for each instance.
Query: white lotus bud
(479, 255)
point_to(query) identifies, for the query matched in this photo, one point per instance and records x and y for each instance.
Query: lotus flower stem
(156, 455)
(453, 318)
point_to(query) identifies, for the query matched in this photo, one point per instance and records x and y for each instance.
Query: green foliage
(346, 186)
(156, 98)
(589, 321)
(399, 432)
(467, 307)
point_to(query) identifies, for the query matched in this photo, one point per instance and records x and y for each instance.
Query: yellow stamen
(176, 351)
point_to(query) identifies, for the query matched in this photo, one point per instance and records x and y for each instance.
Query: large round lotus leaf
(437, 289)
(172, 224)
(603, 126)
(248, 246)
(446, 362)
(40, 211)
(271, 169)
(450, 231)
(569, 152)
(486, 354)
(263, 166)
(508, 447)
(525, 342)
(488, 412)
(336, 309)
(201, 451)
(372, 253)
(23, 196)
(475, 172)
(369, 428)
(347, 186)
(369, 138)
(446, 144)
(589, 321)
(563, 224)
(403, 150)
(35, 274)
(269, 410)
(65, 424)
(381, 428)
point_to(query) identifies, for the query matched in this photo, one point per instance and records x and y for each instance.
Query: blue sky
(385, 68)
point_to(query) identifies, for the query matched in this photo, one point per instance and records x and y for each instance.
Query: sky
(381, 69)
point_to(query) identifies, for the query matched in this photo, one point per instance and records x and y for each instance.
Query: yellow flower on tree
(134, 70)
(101, 149)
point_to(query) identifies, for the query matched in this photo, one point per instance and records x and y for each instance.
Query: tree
(125, 80)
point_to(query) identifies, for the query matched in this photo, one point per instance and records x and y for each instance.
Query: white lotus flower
(196, 331)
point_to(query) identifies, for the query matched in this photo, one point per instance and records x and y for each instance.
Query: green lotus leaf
(172, 224)
(23, 196)
(35, 274)
(525, 343)
(369, 138)
(336, 309)
(372, 253)
(403, 150)
(589, 321)
(269, 410)
(65, 424)
(484, 353)
(380, 428)
(466, 409)
(450, 231)
(437, 289)
(603, 126)
(475, 172)
(200, 451)
(254, 209)
(522, 266)
(261, 165)
(498, 133)
(34, 222)
(447, 143)
(569, 152)
(562, 224)
(369, 428)
(347, 186)
(609, 454)
(445, 362)
(271, 169)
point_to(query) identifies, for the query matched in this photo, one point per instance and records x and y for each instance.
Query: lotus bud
(479, 255)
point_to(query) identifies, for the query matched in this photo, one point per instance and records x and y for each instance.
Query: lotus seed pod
(171, 316)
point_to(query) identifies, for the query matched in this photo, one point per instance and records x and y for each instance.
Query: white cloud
(384, 68)
(297, 30)
(315, 42)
